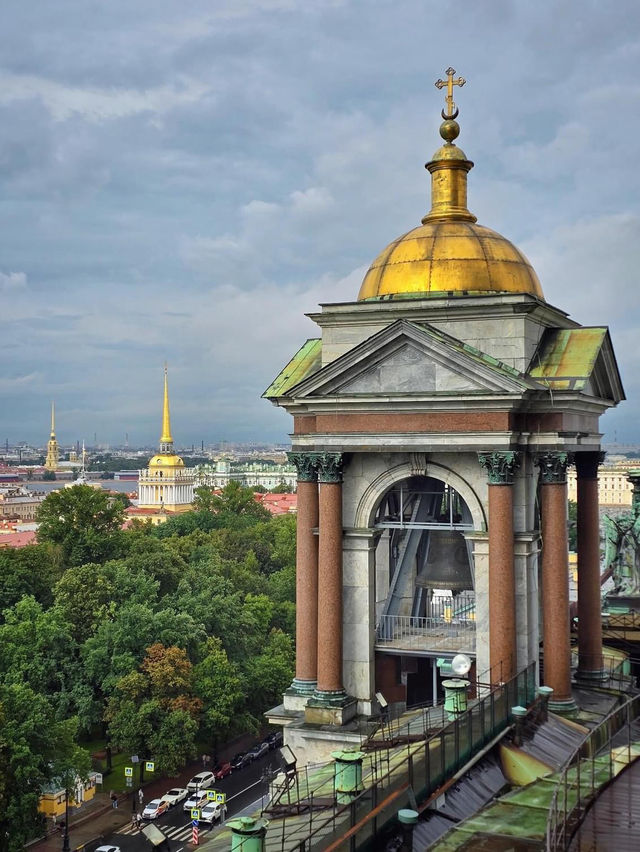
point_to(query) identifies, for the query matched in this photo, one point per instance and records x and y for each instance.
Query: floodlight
(460, 664)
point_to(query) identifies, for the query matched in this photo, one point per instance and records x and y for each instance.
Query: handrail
(423, 767)
(557, 835)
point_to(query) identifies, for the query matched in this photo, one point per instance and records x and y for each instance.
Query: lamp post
(65, 839)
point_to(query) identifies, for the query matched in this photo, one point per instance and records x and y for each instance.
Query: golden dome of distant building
(449, 253)
(165, 461)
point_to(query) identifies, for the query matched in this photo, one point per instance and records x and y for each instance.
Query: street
(242, 788)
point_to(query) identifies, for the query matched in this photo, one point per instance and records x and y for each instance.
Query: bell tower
(433, 421)
(53, 451)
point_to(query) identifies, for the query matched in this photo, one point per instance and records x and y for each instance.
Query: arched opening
(425, 598)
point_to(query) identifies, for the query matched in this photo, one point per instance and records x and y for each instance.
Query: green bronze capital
(330, 467)
(553, 468)
(306, 465)
(500, 466)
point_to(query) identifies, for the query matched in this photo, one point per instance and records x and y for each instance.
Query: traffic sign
(149, 766)
(211, 795)
(195, 814)
(128, 772)
(221, 798)
(129, 782)
(98, 777)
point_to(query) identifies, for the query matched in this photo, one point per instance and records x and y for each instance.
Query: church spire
(449, 166)
(53, 452)
(166, 439)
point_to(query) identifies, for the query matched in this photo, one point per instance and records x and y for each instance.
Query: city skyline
(183, 184)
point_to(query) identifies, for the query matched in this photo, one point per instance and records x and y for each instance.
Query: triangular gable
(407, 358)
(578, 359)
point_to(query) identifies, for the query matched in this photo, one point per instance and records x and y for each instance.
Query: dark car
(274, 740)
(258, 750)
(239, 760)
(221, 770)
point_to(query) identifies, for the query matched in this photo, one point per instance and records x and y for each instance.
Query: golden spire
(449, 166)
(53, 419)
(166, 437)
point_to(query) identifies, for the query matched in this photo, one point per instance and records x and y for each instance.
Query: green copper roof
(306, 361)
(566, 357)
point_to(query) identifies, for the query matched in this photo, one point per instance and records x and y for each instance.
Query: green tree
(84, 521)
(572, 524)
(49, 476)
(220, 688)
(30, 570)
(89, 594)
(154, 710)
(270, 672)
(35, 748)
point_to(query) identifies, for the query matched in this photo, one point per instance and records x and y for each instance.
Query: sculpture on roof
(622, 545)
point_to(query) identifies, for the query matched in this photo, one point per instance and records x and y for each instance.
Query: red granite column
(330, 691)
(555, 581)
(305, 680)
(502, 587)
(590, 665)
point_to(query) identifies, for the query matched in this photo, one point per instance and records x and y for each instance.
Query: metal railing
(448, 617)
(591, 766)
(420, 761)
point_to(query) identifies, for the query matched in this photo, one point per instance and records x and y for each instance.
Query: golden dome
(449, 252)
(166, 461)
(443, 256)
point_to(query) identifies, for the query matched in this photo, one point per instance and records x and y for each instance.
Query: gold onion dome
(449, 252)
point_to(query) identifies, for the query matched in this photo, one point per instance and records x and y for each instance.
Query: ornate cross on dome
(452, 109)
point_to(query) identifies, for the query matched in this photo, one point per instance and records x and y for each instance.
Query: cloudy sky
(184, 180)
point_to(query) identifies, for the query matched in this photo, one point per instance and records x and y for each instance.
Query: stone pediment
(408, 359)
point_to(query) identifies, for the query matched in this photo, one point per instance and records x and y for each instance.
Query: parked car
(221, 770)
(175, 795)
(258, 750)
(202, 779)
(155, 808)
(212, 812)
(275, 739)
(196, 800)
(239, 760)
(108, 849)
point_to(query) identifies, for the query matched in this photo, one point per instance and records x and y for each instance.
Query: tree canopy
(165, 640)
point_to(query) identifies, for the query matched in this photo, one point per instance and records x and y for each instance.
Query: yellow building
(614, 489)
(53, 451)
(166, 485)
(52, 801)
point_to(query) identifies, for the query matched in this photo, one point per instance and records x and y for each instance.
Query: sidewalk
(99, 819)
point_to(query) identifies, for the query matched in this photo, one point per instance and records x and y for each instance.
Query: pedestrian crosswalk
(174, 832)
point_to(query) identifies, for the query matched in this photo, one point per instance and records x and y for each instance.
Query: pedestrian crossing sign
(150, 766)
(211, 795)
(195, 814)
(221, 798)
(128, 772)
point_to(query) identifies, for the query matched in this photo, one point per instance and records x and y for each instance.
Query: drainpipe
(519, 714)
(545, 693)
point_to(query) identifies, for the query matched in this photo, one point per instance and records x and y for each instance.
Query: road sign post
(194, 831)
